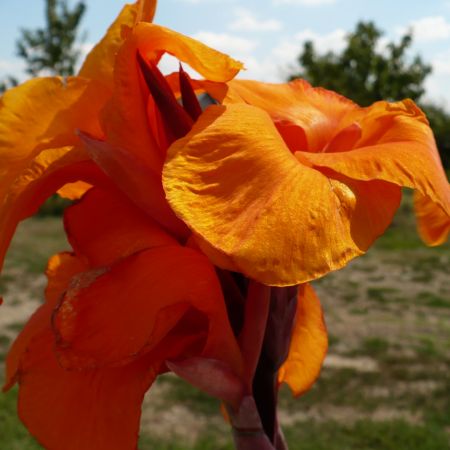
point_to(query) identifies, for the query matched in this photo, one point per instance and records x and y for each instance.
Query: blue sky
(266, 35)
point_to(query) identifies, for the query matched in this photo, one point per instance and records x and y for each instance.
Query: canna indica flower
(136, 297)
(288, 182)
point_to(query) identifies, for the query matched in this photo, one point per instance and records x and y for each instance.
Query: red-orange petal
(309, 344)
(111, 317)
(138, 181)
(106, 226)
(258, 210)
(92, 409)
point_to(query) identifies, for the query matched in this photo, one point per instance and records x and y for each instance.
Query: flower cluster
(203, 209)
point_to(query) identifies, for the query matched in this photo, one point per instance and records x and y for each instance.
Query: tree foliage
(51, 50)
(365, 71)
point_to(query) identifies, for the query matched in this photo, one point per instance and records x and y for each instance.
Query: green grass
(382, 294)
(13, 435)
(35, 241)
(432, 300)
(182, 392)
(366, 435)
(376, 347)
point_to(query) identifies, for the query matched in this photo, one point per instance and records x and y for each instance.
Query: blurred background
(385, 384)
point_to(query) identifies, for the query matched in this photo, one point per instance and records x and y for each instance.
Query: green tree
(366, 73)
(51, 50)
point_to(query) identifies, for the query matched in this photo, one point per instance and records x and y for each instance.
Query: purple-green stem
(265, 338)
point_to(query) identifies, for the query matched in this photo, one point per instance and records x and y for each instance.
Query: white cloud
(441, 63)
(428, 29)
(305, 2)
(11, 67)
(246, 21)
(332, 41)
(436, 90)
(85, 48)
(226, 43)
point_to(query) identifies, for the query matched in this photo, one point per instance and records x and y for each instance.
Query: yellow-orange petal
(74, 191)
(60, 269)
(43, 176)
(99, 63)
(146, 10)
(433, 223)
(45, 113)
(73, 410)
(234, 182)
(309, 344)
(106, 226)
(129, 308)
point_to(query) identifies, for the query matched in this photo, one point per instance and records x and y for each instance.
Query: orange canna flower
(288, 182)
(136, 297)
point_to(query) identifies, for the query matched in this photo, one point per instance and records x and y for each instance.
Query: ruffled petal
(105, 226)
(309, 344)
(397, 146)
(260, 211)
(110, 316)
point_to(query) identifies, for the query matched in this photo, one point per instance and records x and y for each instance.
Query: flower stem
(274, 351)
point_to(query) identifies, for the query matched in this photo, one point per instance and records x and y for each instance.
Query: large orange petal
(234, 182)
(72, 410)
(60, 269)
(309, 343)
(105, 226)
(112, 316)
(44, 175)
